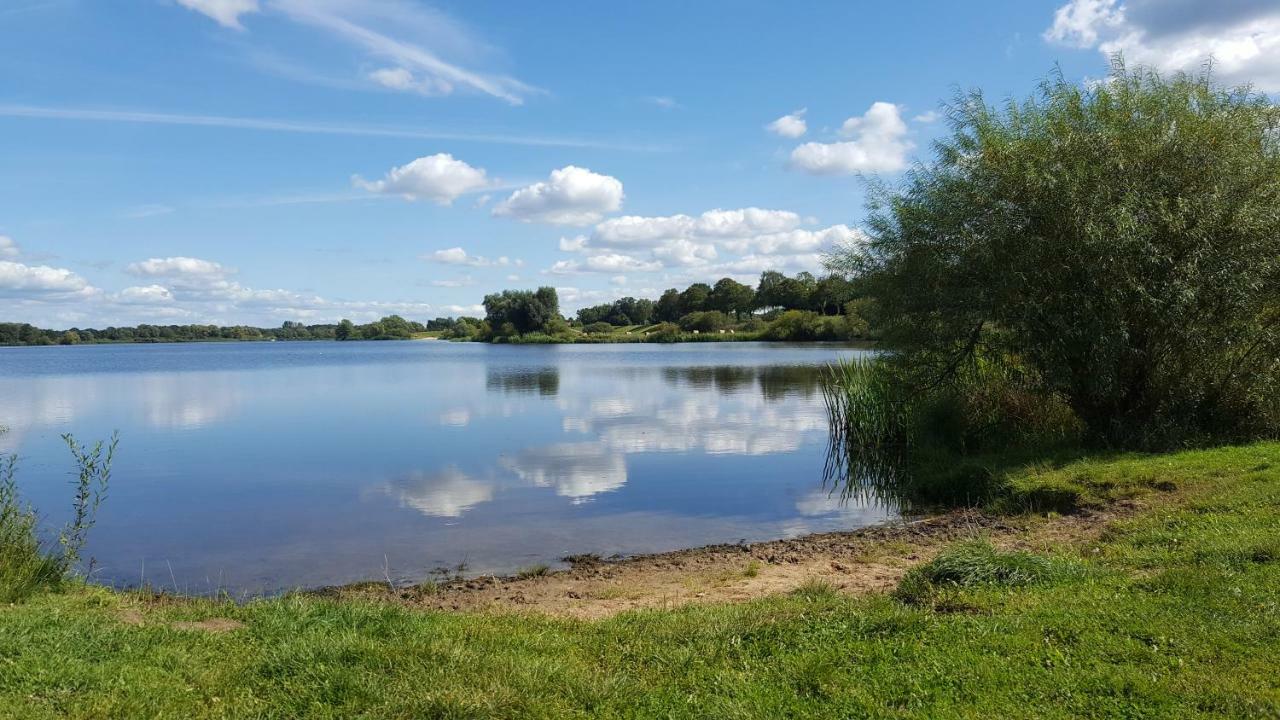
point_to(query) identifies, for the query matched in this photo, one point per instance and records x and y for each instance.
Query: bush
(26, 564)
(802, 325)
(665, 333)
(598, 328)
(704, 321)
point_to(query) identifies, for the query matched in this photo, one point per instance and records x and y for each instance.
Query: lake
(260, 467)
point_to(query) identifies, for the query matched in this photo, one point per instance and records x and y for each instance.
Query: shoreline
(860, 561)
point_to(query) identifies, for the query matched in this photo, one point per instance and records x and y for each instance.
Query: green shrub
(704, 322)
(803, 325)
(26, 564)
(664, 333)
(598, 328)
(976, 563)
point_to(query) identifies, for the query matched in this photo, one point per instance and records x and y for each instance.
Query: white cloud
(1242, 37)
(438, 178)
(8, 248)
(878, 144)
(641, 231)
(789, 126)
(187, 273)
(605, 263)
(740, 241)
(146, 117)
(925, 118)
(413, 39)
(225, 12)
(454, 283)
(666, 103)
(570, 196)
(40, 281)
(144, 295)
(459, 256)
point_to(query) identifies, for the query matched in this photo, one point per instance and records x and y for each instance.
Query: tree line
(392, 327)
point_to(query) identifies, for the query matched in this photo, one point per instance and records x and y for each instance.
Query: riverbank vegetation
(1096, 267)
(392, 327)
(1169, 612)
(779, 308)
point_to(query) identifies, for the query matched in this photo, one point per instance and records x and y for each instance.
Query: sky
(257, 161)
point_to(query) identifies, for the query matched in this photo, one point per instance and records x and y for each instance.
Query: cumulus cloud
(789, 126)
(641, 231)
(877, 143)
(144, 295)
(179, 266)
(8, 248)
(1242, 36)
(439, 178)
(604, 263)
(459, 256)
(225, 12)
(570, 196)
(739, 241)
(18, 280)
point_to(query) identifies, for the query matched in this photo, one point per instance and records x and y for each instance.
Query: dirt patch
(131, 617)
(856, 562)
(214, 625)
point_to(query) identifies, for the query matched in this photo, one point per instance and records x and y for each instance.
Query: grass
(1173, 612)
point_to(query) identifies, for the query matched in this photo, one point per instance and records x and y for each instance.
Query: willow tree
(1120, 239)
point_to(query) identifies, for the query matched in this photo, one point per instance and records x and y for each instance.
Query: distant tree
(521, 311)
(831, 294)
(346, 331)
(667, 308)
(732, 298)
(694, 298)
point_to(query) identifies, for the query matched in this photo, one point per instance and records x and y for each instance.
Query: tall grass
(906, 443)
(873, 422)
(28, 564)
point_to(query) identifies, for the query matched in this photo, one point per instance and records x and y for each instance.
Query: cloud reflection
(576, 470)
(447, 494)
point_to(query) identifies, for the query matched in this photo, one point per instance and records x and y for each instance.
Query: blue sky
(255, 161)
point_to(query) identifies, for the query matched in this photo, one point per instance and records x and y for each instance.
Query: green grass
(1173, 613)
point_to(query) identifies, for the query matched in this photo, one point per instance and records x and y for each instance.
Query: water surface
(257, 467)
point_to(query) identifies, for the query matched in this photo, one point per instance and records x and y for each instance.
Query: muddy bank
(859, 561)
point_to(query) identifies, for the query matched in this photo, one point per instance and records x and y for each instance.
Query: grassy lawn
(1175, 612)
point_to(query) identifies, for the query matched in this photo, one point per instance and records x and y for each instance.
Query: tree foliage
(1122, 239)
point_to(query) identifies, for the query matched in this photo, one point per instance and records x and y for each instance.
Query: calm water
(264, 466)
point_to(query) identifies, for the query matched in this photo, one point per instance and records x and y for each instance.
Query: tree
(732, 298)
(346, 331)
(521, 311)
(694, 298)
(769, 290)
(667, 308)
(831, 293)
(1120, 240)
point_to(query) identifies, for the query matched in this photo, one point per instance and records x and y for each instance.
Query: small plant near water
(26, 563)
(533, 571)
(976, 563)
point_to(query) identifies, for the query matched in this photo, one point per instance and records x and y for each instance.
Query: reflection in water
(776, 382)
(448, 493)
(457, 417)
(278, 465)
(523, 381)
(575, 470)
(187, 401)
